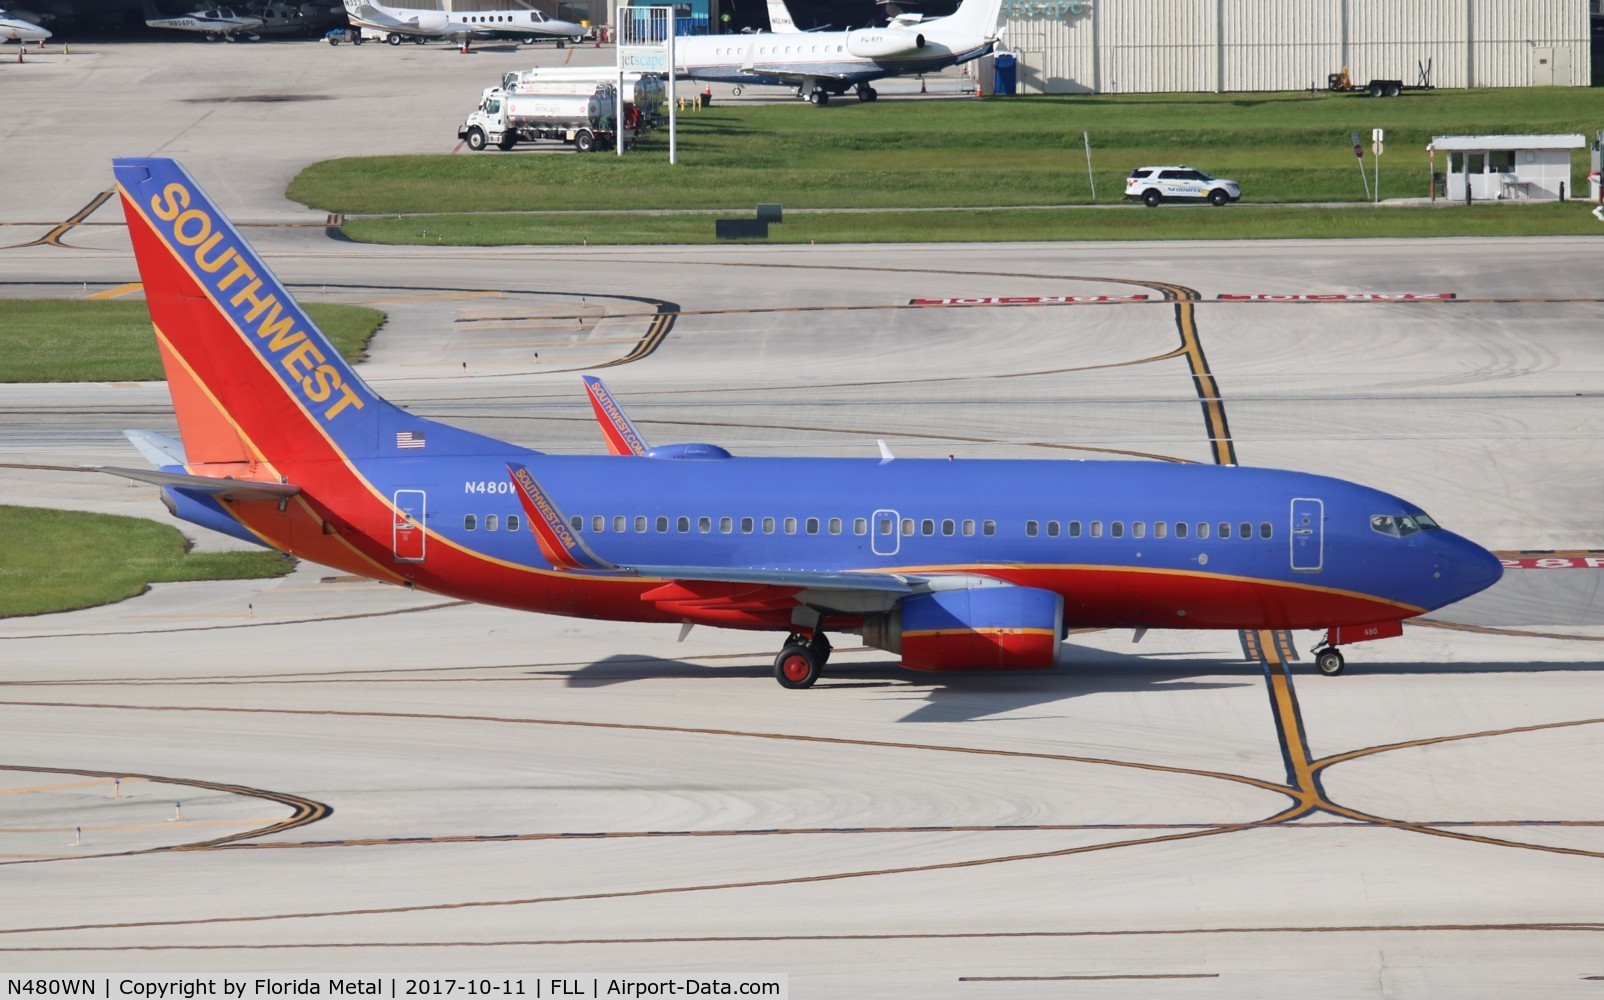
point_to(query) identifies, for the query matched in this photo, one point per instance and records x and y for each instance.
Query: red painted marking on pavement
(1340, 297)
(1026, 300)
(1554, 562)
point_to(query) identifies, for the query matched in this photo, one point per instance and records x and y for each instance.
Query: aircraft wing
(802, 579)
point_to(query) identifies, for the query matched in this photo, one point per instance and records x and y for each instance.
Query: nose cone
(1467, 568)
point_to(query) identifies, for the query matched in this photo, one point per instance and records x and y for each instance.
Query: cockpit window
(1401, 525)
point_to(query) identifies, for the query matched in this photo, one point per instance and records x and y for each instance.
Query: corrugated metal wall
(1147, 46)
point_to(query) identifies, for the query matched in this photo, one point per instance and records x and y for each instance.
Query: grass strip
(81, 340)
(59, 560)
(1284, 147)
(1179, 222)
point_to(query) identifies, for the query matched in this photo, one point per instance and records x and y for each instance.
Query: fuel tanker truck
(645, 92)
(505, 118)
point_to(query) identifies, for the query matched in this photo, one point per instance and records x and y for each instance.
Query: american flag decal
(409, 439)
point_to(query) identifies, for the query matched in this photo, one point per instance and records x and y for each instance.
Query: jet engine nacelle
(883, 43)
(433, 22)
(981, 628)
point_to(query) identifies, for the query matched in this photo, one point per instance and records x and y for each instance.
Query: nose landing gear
(1328, 660)
(801, 660)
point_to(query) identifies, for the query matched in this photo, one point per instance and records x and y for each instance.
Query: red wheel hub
(796, 667)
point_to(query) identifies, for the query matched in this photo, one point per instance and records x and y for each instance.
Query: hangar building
(1153, 46)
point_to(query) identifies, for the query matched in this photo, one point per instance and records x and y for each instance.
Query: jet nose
(1468, 568)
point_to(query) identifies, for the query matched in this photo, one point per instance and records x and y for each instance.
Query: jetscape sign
(1341, 297)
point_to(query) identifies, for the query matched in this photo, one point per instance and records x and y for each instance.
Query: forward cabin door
(883, 536)
(407, 535)
(1308, 535)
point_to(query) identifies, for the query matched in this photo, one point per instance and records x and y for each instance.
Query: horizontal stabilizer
(223, 489)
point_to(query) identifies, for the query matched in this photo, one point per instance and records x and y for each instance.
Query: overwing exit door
(407, 534)
(883, 536)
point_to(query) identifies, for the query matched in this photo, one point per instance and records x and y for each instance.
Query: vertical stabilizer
(252, 377)
(973, 17)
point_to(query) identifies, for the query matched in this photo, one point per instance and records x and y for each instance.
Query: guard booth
(1509, 167)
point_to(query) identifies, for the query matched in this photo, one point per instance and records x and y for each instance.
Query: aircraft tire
(1151, 198)
(798, 666)
(1329, 662)
(419, 40)
(819, 98)
(527, 39)
(476, 139)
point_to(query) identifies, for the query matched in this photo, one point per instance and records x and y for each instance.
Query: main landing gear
(801, 660)
(866, 92)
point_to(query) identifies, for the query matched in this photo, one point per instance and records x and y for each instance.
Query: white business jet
(17, 29)
(822, 64)
(400, 22)
(214, 23)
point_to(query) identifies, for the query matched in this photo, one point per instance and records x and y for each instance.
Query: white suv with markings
(1156, 184)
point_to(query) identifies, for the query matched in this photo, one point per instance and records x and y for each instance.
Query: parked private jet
(460, 26)
(822, 64)
(952, 565)
(17, 29)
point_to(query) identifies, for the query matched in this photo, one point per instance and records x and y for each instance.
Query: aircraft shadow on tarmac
(963, 697)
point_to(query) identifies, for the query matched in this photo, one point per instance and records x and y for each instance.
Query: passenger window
(1180, 529)
(790, 526)
(1031, 528)
(1266, 529)
(948, 526)
(747, 524)
(640, 524)
(620, 523)
(1117, 529)
(1097, 529)
(860, 526)
(969, 526)
(1160, 529)
(835, 526)
(704, 524)
(768, 526)
(577, 523)
(662, 525)
(1074, 529)
(726, 525)
(988, 528)
(682, 525)
(885, 526)
(927, 527)
(490, 522)
(512, 522)
(1138, 529)
(1202, 529)
(1244, 530)
(598, 523)
(469, 522)
(1225, 529)
(1052, 529)
(907, 526)
(813, 525)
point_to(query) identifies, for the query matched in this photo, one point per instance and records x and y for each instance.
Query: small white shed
(1509, 166)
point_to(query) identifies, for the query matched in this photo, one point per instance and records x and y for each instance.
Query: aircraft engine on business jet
(433, 21)
(880, 43)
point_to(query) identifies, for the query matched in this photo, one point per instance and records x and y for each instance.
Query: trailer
(646, 92)
(1343, 83)
(584, 121)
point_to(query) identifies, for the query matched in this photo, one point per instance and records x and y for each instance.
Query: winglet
(558, 543)
(622, 437)
(885, 452)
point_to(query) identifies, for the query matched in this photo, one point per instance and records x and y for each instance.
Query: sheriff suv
(1157, 184)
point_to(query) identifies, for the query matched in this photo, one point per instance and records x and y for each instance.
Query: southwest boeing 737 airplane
(954, 565)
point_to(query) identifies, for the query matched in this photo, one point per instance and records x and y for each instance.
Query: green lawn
(1135, 223)
(68, 560)
(992, 152)
(82, 340)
